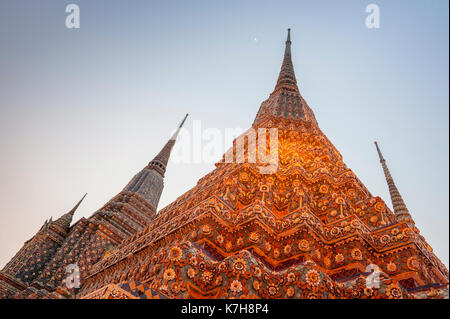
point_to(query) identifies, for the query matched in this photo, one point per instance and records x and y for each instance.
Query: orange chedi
(308, 229)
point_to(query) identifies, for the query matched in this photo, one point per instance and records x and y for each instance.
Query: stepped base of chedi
(302, 226)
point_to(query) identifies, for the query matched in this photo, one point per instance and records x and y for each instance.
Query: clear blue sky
(84, 110)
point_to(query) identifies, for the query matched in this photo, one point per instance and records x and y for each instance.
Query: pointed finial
(182, 122)
(65, 220)
(159, 163)
(379, 152)
(400, 210)
(175, 134)
(69, 215)
(286, 78)
(78, 204)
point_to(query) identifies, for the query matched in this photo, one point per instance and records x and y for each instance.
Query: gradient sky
(84, 110)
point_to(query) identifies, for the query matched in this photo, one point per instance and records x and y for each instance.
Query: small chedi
(308, 229)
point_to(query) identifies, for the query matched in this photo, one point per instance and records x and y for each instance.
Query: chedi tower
(39, 269)
(309, 229)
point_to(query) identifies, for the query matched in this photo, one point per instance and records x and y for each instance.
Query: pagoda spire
(286, 78)
(159, 163)
(149, 182)
(400, 210)
(285, 101)
(65, 220)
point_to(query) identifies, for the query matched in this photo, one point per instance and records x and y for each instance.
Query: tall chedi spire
(159, 163)
(149, 182)
(286, 78)
(285, 102)
(400, 210)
